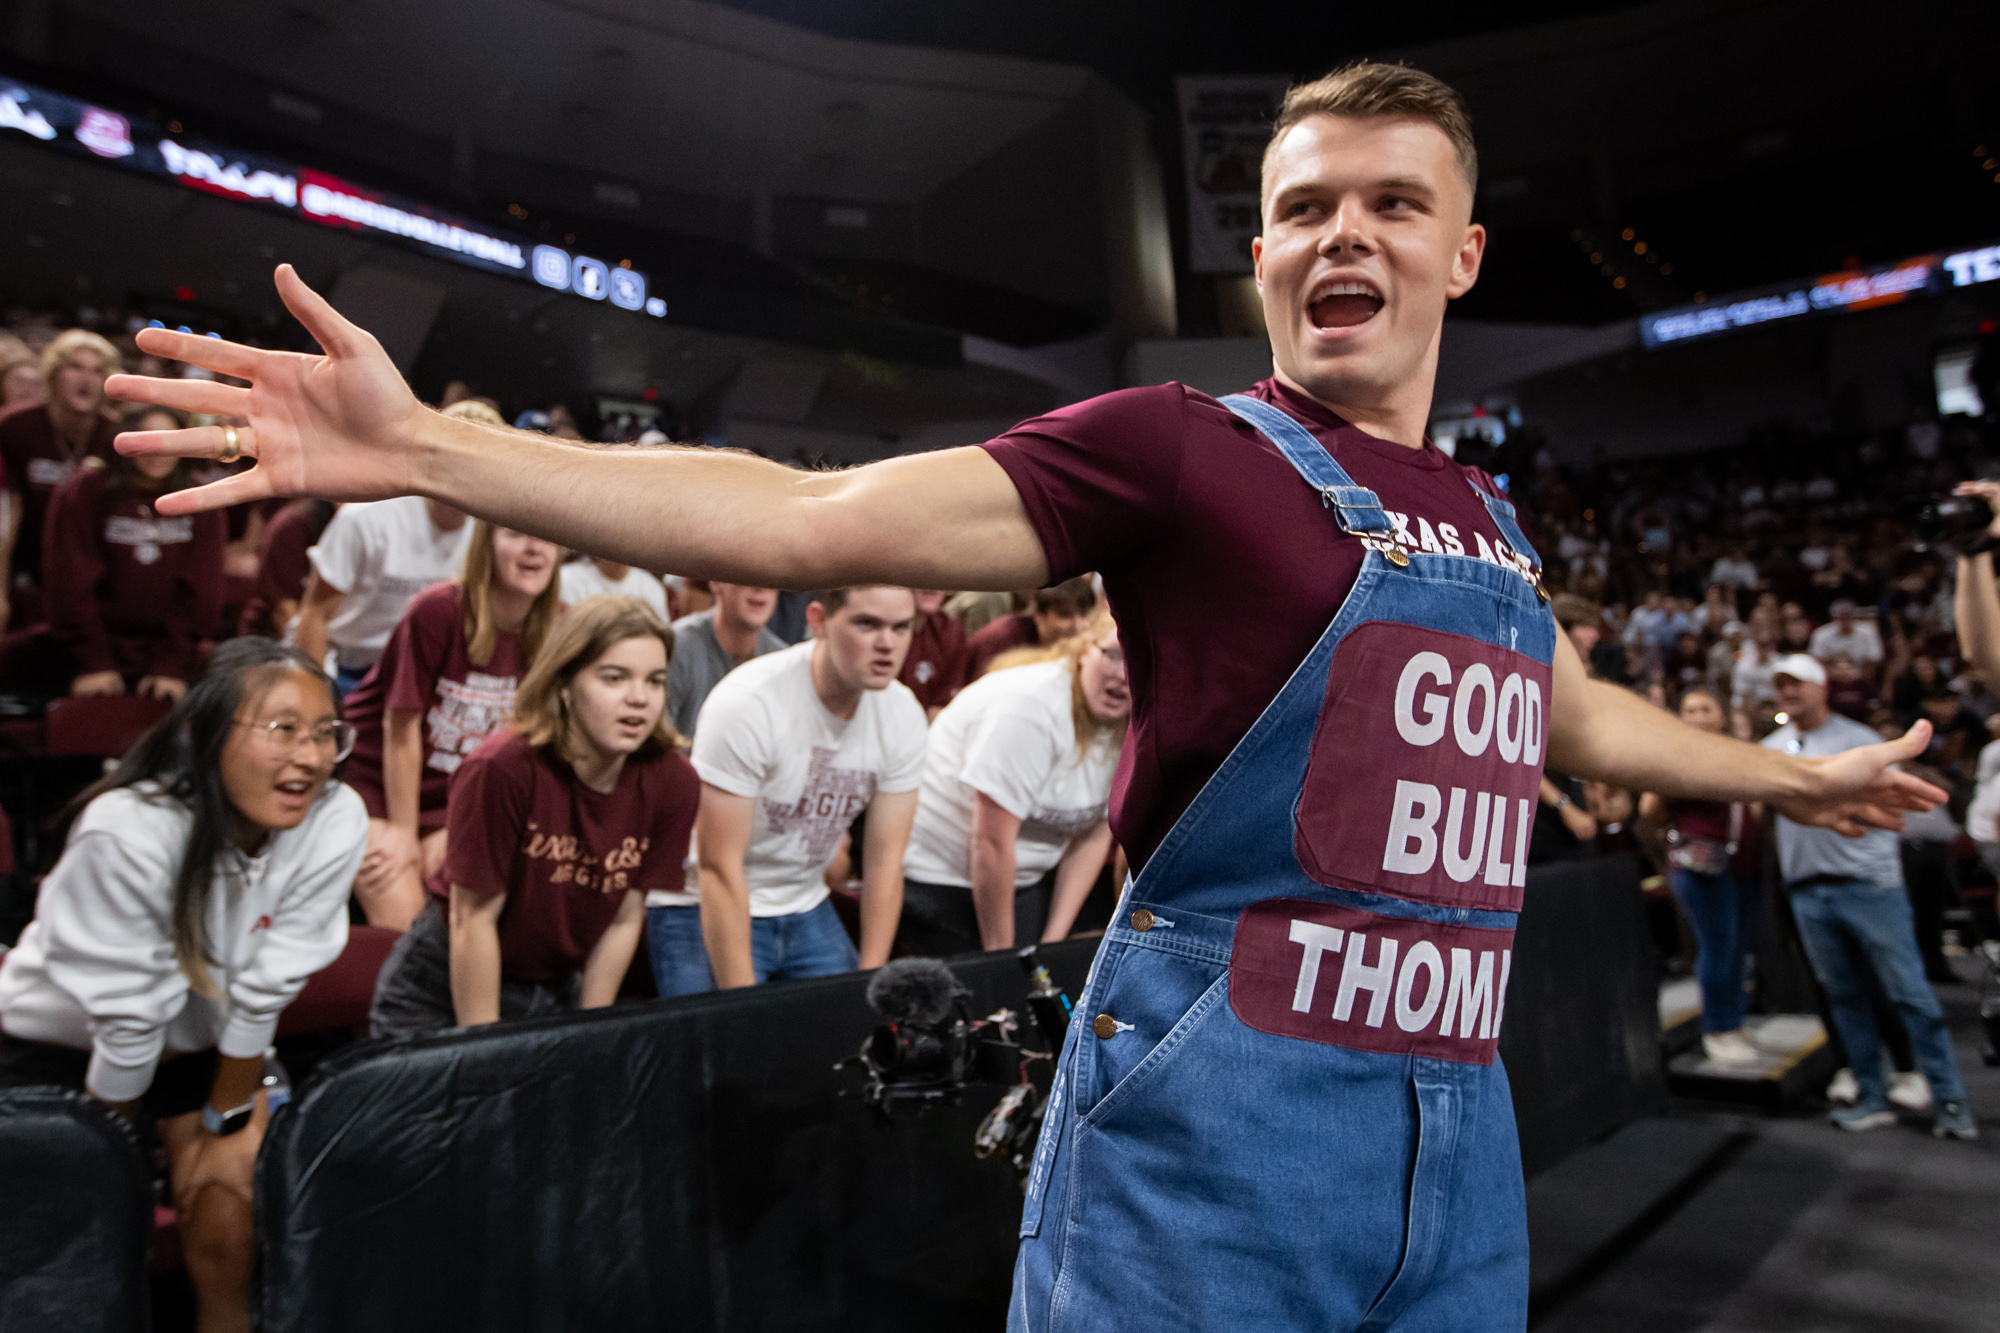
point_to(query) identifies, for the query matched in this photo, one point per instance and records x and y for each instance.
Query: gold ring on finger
(232, 448)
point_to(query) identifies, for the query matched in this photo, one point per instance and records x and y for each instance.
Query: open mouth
(297, 789)
(1343, 304)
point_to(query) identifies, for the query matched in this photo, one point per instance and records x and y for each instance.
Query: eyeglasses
(283, 736)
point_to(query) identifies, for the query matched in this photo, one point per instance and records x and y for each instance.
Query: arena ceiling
(1743, 142)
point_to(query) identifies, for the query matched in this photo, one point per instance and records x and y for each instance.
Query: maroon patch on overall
(1425, 768)
(1344, 977)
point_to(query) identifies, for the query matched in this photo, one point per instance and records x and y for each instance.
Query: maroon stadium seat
(337, 997)
(103, 726)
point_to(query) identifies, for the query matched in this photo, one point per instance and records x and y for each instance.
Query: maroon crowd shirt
(565, 855)
(127, 590)
(282, 565)
(38, 463)
(1008, 632)
(935, 667)
(1220, 563)
(427, 669)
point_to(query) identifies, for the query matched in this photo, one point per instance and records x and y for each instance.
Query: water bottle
(277, 1084)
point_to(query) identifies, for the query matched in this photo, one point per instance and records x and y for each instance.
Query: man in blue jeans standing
(1847, 895)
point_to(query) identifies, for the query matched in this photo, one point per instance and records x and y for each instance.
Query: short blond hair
(1367, 89)
(71, 341)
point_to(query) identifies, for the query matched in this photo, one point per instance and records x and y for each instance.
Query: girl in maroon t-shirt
(1714, 855)
(131, 595)
(442, 685)
(560, 825)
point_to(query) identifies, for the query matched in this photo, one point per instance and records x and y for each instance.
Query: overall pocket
(1152, 1000)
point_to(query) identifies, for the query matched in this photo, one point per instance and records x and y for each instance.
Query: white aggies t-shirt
(1012, 736)
(381, 555)
(764, 734)
(582, 578)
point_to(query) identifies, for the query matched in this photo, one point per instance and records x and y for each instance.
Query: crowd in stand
(558, 778)
(564, 776)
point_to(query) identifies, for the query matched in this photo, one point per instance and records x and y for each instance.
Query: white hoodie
(95, 970)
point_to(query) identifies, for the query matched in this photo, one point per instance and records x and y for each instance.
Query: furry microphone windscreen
(914, 990)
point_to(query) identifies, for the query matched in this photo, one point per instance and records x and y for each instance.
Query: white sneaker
(1910, 1091)
(1730, 1048)
(1843, 1091)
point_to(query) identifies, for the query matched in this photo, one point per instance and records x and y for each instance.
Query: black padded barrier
(689, 1164)
(76, 1216)
(1581, 1037)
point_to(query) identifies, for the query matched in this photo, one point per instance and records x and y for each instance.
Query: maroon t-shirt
(1709, 821)
(426, 668)
(1005, 634)
(37, 464)
(935, 668)
(1220, 563)
(565, 855)
(282, 564)
(128, 590)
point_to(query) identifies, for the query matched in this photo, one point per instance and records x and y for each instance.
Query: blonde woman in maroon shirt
(560, 825)
(131, 594)
(442, 685)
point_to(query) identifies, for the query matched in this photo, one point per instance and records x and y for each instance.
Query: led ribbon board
(1859, 289)
(82, 130)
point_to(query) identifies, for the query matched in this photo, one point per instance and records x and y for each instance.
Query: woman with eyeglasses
(202, 882)
(1010, 832)
(560, 826)
(444, 683)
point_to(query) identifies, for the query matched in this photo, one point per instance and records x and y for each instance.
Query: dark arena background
(1733, 354)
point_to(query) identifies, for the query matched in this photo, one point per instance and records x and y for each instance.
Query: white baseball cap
(1801, 667)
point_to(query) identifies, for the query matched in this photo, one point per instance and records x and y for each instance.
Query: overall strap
(1503, 519)
(1356, 508)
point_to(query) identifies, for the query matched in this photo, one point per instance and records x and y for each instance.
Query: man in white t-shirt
(791, 747)
(587, 576)
(1844, 634)
(370, 564)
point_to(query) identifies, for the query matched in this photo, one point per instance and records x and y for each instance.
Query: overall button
(1105, 1026)
(1396, 556)
(1142, 921)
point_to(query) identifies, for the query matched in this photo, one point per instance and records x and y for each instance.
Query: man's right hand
(338, 426)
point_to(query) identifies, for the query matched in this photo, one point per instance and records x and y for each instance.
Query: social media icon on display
(628, 289)
(551, 267)
(589, 277)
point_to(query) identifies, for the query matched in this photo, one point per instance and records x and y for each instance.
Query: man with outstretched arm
(1280, 1106)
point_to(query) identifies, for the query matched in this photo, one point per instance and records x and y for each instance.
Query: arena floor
(1778, 1225)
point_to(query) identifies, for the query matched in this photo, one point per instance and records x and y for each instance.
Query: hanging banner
(1225, 123)
(82, 130)
(1859, 289)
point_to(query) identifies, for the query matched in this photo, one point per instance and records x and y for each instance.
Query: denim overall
(1280, 1105)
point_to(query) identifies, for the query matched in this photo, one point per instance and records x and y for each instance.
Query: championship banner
(1225, 123)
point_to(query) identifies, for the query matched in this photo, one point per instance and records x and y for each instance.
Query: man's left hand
(1857, 790)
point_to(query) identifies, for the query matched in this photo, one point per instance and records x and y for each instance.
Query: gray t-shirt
(1804, 852)
(698, 663)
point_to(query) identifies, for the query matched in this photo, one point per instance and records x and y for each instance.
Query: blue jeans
(1853, 925)
(1722, 911)
(679, 954)
(806, 944)
(346, 678)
